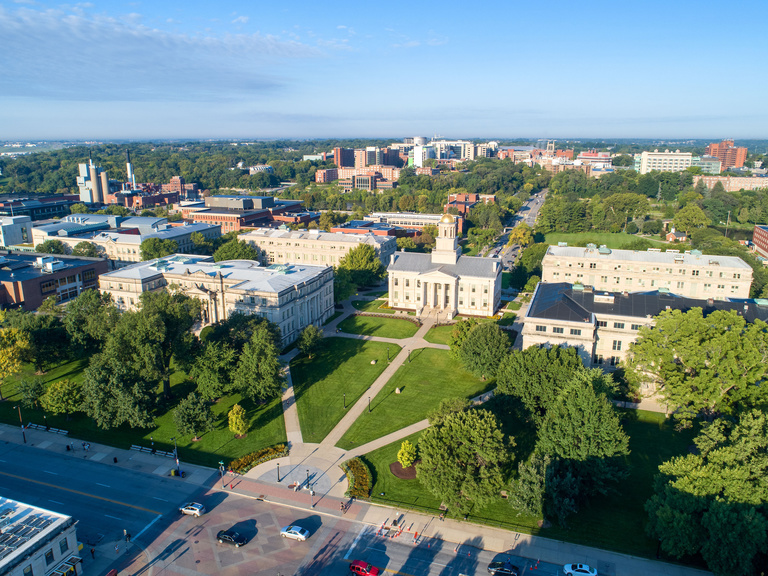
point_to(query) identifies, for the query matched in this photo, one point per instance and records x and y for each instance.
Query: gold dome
(447, 218)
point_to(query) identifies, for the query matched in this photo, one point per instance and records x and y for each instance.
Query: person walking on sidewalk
(93, 553)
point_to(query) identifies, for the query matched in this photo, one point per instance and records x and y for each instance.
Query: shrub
(359, 478)
(244, 463)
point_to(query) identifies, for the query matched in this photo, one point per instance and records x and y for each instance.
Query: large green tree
(462, 458)
(236, 250)
(46, 335)
(212, 370)
(689, 218)
(459, 334)
(309, 340)
(193, 415)
(364, 266)
(152, 248)
(90, 318)
(702, 365)
(63, 397)
(52, 247)
(713, 502)
(483, 349)
(259, 372)
(13, 346)
(87, 249)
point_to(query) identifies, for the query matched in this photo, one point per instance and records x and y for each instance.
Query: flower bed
(359, 478)
(245, 463)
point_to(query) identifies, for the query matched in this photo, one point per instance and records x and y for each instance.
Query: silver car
(193, 509)
(295, 532)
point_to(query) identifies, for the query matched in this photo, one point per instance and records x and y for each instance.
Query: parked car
(503, 569)
(579, 570)
(231, 537)
(295, 532)
(360, 567)
(192, 509)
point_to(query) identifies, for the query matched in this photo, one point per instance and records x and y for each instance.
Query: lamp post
(278, 471)
(45, 419)
(176, 455)
(387, 353)
(21, 423)
(152, 442)
(345, 400)
(221, 472)
(369, 404)
(409, 356)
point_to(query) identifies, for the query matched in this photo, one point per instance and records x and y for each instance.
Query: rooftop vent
(654, 249)
(591, 246)
(562, 244)
(578, 287)
(604, 298)
(762, 302)
(604, 249)
(696, 253)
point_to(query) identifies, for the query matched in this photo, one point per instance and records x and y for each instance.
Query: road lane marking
(147, 526)
(161, 499)
(73, 491)
(57, 502)
(357, 538)
(47, 472)
(113, 517)
(105, 485)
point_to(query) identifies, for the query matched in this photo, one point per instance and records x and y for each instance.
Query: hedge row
(359, 478)
(243, 464)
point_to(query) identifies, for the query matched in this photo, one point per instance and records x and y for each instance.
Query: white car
(579, 570)
(295, 532)
(193, 509)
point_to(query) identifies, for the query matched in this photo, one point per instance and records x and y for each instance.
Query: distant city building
(693, 275)
(675, 236)
(371, 182)
(731, 156)
(322, 157)
(601, 325)
(364, 227)
(344, 157)
(386, 173)
(40, 208)
(94, 184)
(733, 183)
(592, 157)
(27, 279)
(760, 240)
(444, 283)
(283, 246)
(293, 296)
(463, 203)
(708, 164)
(413, 220)
(36, 541)
(234, 213)
(184, 190)
(663, 161)
(261, 168)
(15, 230)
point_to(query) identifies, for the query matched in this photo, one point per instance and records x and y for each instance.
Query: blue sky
(226, 69)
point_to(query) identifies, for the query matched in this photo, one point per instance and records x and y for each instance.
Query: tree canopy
(483, 349)
(87, 249)
(236, 250)
(259, 372)
(691, 217)
(90, 319)
(52, 247)
(364, 266)
(152, 248)
(193, 416)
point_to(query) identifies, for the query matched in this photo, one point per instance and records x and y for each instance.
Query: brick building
(760, 240)
(731, 156)
(733, 183)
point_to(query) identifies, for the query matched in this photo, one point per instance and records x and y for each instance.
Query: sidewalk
(430, 529)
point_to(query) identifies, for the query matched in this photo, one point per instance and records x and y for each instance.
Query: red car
(360, 567)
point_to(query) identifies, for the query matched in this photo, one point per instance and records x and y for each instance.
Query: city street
(528, 213)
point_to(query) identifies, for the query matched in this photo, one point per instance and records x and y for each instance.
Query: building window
(598, 359)
(636, 326)
(557, 330)
(541, 328)
(603, 278)
(28, 571)
(575, 332)
(614, 360)
(63, 545)
(395, 295)
(407, 283)
(617, 345)
(418, 283)
(721, 286)
(592, 266)
(602, 324)
(395, 282)
(618, 325)
(49, 557)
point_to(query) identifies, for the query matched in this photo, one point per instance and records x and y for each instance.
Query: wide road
(528, 213)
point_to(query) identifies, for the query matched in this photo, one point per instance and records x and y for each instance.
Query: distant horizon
(132, 70)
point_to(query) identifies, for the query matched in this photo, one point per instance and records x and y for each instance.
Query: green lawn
(506, 277)
(372, 306)
(615, 522)
(514, 305)
(341, 366)
(508, 319)
(439, 334)
(431, 376)
(332, 318)
(613, 241)
(375, 326)
(266, 421)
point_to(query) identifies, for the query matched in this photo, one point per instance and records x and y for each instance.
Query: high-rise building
(344, 157)
(662, 161)
(731, 156)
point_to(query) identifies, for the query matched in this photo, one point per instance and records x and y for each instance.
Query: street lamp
(152, 441)
(345, 400)
(45, 419)
(176, 454)
(387, 353)
(369, 404)
(409, 356)
(278, 471)
(21, 423)
(221, 471)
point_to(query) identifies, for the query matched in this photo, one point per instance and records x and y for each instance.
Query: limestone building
(315, 247)
(690, 274)
(291, 296)
(444, 283)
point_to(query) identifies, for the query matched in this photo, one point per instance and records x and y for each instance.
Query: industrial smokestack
(129, 168)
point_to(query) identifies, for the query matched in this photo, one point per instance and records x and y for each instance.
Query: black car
(503, 569)
(231, 537)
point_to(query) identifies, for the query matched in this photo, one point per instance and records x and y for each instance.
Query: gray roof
(693, 258)
(466, 266)
(15, 267)
(324, 236)
(559, 301)
(167, 234)
(246, 274)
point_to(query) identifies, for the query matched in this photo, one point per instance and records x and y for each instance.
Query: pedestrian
(72, 446)
(128, 538)
(125, 534)
(442, 516)
(117, 548)
(83, 446)
(87, 447)
(93, 553)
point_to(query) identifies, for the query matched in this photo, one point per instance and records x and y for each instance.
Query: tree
(462, 459)
(259, 372)
(343, 286)
(406, 243)
(201, 244)
(702, 365)
(545, 488)
(193, 416)
(446, 407)
(531, 284)
(483, 349)
(13, 345)
(364, 266)
(212, 370)
(459, 334)
(48, 343)
(52, 247)
(31, 390)
(713, 502)
(237, 422)
(79, 208)
(689, 218)
(582, 428)
(236, 250)
(63, 397)
(522, 235)
(87, 249)
(152, 248)
(407, 454)
(310, 339)
(90, 318)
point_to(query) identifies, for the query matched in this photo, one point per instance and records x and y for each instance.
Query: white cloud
(78, 56)
(241, 20)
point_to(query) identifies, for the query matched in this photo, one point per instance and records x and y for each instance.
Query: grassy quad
(340, 366)
(431, 376)
(614, 522)
(376, 326)
(372, 306)
(266, 421)
(439, 334)
(613, 241)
